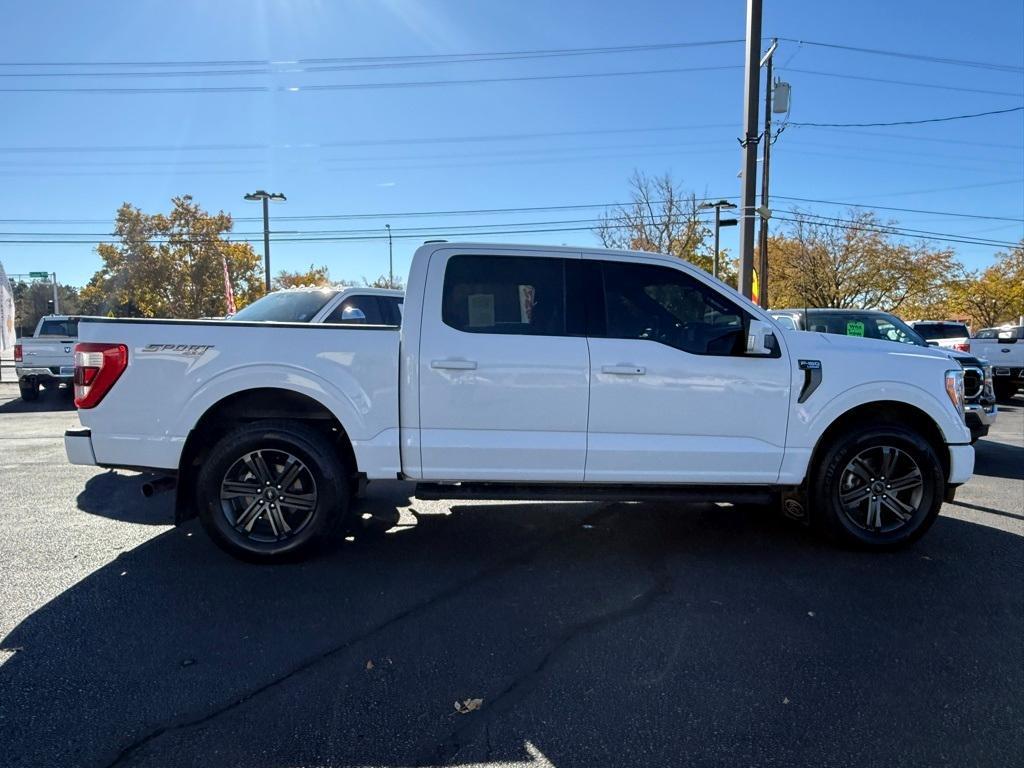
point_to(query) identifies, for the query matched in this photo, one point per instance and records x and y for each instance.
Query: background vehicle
(948, 334)
(979, 396)
(332, 304)
(1004, 347)
(48, 356)
(525, 370)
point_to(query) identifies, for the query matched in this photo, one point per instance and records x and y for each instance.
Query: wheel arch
(256, 404)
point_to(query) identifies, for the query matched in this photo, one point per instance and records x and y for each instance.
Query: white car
(530, 371)
(1004, 348)
(949, 334)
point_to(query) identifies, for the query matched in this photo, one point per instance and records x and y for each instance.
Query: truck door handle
(454, 365)
(624, 370)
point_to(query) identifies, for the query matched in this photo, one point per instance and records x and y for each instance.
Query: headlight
(955, 389)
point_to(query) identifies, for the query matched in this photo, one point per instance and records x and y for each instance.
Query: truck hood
(809, 344)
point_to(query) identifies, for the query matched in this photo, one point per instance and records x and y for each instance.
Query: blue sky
(75, 157)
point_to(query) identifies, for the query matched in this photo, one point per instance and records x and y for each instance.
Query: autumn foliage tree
(995, 295)
(171, 265)
(314, 276)
(856, 262)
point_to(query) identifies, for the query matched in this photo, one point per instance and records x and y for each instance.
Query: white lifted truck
(525, 372)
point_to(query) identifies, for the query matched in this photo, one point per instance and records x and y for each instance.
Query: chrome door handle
(624, 370)
(454, 365)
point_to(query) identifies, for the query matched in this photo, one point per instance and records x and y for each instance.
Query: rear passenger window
(505, 294)
(643, 301)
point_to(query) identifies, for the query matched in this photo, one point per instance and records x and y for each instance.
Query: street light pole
(719, 223)
(391, 262)
(752, 78)
(266, 197)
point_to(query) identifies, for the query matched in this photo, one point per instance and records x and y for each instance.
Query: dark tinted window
(932, 331)
(505, 294)
(885, 327)
(1001, 333)
(67, 328)
(644, 301)
(391, 308)
(357, 310)
(287, 306)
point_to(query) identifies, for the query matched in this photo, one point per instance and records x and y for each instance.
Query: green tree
(32, 301)
(172, 265)
(995, 295)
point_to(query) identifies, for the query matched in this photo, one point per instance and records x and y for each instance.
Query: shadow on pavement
(118, 495)
(621, 634)
(50, 399)
(999, 460)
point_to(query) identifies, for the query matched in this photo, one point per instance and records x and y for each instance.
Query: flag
(6, 312)
(229, 295)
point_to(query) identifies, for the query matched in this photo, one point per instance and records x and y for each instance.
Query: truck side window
(357, 310)
(505, 294)
(644, 301)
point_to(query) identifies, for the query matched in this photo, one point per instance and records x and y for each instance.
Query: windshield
(871, 326)
(286, 306)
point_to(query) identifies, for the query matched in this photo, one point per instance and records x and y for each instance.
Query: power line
(909, 122)
(901, 210)
(908, 55)
(372, 60)
(216, 89)
(913, 83)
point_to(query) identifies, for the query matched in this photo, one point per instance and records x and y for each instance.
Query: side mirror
(761, 338)
(352, 315)
(932, 343)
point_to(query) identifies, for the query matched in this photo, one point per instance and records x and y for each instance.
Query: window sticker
(855, 328)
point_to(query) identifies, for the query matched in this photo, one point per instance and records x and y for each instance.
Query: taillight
(18, 354)
(962, 346)
(97, 367)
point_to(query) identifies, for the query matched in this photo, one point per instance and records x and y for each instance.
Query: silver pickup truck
(48, 356)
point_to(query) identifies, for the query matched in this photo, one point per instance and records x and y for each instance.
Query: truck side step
(736, 494)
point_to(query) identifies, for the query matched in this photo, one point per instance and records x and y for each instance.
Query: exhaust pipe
(158, 485)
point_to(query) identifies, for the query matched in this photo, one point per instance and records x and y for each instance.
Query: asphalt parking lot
(595, 635)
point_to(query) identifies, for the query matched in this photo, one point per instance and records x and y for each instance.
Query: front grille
(974, 382)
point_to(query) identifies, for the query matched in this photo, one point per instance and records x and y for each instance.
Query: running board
(752, 494)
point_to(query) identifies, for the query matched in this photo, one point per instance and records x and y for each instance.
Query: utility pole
(391, 262)
(766, 140)
(266, 197)
(748, 189)
(56, 299)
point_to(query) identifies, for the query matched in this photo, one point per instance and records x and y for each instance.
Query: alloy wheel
(268, 495)
(881, 489)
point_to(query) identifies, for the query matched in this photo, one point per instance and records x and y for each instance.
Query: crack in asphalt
(519, 557)
(523, 685)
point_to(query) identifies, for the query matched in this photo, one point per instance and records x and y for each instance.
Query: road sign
(39, 274)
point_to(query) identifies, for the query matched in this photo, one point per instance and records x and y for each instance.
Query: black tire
(29, 390)
(875, 521)
(308, 509)
(1005, 389)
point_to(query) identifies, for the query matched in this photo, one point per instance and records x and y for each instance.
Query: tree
(172, 265)
(32, 301)
(856, 263)
(313, 276)
(660, 217)
(994, 295)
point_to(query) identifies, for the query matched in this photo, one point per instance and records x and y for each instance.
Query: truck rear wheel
(877, 487)
(272, 490)
(29, 390)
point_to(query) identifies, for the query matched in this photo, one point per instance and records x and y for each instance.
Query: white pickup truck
(1004, 348)
(525, 372)
(47, 357)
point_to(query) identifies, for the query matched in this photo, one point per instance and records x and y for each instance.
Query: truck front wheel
(877, 487)
(272, 490)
